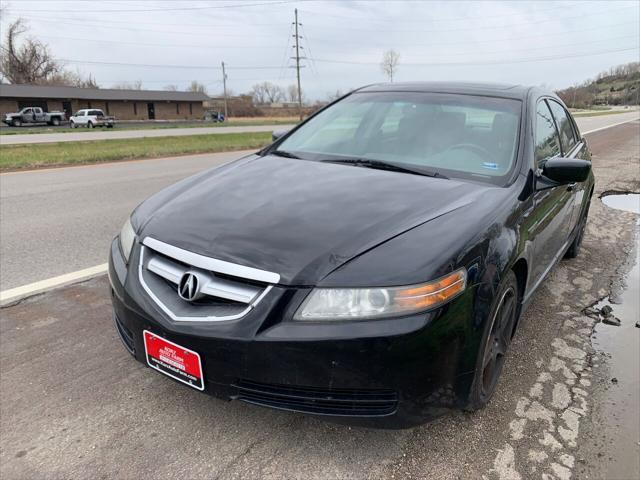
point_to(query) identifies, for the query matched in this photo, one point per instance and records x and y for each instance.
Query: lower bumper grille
(125, 335)
(339, 402)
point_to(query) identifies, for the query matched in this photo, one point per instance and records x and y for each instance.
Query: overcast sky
(174, 42)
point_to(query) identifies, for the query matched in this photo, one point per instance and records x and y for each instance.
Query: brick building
(122, 104)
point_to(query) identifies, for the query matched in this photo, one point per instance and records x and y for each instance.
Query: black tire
(16, 122)
(72, 124)
(495, 343)
(574, 248)
(89, 124)
(55, 121)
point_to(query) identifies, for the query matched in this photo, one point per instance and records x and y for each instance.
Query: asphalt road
(74, 404)
(106, 134)
(61, 220)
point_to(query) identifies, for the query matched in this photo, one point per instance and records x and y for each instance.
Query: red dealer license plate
(173, 360)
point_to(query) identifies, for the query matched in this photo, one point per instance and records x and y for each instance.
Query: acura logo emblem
(189, 287)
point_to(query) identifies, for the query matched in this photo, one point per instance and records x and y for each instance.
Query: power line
(491, 27)
(172, 9)
(153, 65)
(440, 20)
(163, 45)
(490, 62)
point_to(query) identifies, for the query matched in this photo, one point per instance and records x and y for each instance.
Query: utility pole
(224, 87)
(297, 57)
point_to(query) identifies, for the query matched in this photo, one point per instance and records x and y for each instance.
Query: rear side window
(547, 140)
(568, 137)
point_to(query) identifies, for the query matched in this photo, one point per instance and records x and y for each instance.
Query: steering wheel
(477, 149)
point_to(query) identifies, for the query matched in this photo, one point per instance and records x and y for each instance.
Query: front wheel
(574, 248)
(16, 122)
(495, 343)
(90, 125)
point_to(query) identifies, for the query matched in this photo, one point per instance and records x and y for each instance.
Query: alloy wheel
(498, 341)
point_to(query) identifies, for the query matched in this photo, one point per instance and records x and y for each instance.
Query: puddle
(625, 201)
(621, 344)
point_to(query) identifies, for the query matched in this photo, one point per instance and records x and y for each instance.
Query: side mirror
(566, 170)
(278, 134)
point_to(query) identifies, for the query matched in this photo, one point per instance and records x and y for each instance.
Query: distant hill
(618, 86)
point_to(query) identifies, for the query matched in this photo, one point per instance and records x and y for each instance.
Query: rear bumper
(393, 379)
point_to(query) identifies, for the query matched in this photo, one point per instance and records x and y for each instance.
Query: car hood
(301, 219)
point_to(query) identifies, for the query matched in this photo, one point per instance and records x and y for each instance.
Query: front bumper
(395, 373)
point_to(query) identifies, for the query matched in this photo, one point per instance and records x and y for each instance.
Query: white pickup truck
(31, 115)
(90, 118)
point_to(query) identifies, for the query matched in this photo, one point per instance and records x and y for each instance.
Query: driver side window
(547, 139)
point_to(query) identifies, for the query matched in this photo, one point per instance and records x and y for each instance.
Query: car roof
(484, 89)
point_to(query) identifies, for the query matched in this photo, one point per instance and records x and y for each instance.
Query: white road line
(609, 126)
(18, 293)
(14, 294)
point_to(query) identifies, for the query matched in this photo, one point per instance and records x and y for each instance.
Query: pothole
(627, 201)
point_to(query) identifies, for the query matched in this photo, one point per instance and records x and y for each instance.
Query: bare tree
(29, 61)
(196, 86)
(135, 85)
(171, 88)
(267, 92)
(389, 63)
(69, 78)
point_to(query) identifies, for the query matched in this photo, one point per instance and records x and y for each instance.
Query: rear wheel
(55, 121)
(495, 343)
(90, 125)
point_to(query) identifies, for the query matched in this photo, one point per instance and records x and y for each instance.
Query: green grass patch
(147, 126)
(24, 156)
(599, 113)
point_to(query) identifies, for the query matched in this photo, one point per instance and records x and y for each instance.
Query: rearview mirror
(566, 170)
(278, 134)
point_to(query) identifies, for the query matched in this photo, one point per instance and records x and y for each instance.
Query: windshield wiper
(283, 153)
(380, 165)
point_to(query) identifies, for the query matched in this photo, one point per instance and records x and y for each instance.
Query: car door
(27, 115)
(549, 228)
(38, 115)
(572, 147)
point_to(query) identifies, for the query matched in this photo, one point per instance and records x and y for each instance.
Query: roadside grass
(599, 113)
(235, 122)
(27, 156)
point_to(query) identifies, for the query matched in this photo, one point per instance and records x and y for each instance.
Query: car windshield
(456, 135)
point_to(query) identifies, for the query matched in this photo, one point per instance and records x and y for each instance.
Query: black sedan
(372, 263)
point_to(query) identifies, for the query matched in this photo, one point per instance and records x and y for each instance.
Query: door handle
(571, 186)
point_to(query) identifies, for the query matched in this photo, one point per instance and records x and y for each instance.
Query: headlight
(127, 237)
(367, 303)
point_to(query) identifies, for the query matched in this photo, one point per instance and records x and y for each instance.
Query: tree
(29, 61)
(267, 92)
(135, 85)
(171, 88)
(196, 86)
(389, 63)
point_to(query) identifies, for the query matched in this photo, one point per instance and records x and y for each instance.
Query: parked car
(90, 118)
(372, 263)
(213, 116)
(33, 115)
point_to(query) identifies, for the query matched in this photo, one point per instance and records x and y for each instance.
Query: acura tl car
(371, 264)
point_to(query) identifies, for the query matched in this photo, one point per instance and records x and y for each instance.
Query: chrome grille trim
(212, 286)
(243, 293)
(211, 264)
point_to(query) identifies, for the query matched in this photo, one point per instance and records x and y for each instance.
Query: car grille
(340, 402)
(226, 291)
